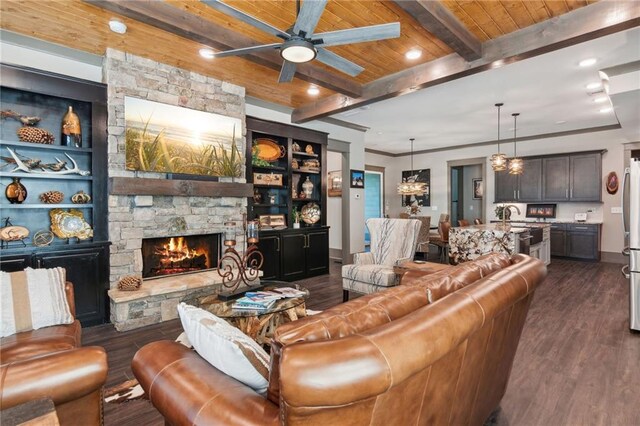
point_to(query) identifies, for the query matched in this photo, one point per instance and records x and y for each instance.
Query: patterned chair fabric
(392, 241)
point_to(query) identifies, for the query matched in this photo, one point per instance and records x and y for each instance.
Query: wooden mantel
(187, 188)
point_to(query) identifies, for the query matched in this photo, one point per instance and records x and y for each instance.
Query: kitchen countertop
(490, 227)
(550, 222)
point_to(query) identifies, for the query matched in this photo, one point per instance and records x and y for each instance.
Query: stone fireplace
(175, 208)
(179, 254)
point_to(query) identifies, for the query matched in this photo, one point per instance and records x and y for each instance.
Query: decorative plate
(612, 183)
(13, 233)
(310, 213)
(269, 150)
(70, 224)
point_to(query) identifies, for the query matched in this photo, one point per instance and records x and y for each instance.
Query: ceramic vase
(71, 134)
(307, 188)
(16, 192)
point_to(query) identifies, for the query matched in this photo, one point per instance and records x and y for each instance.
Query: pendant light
(499, 159)
(407, 187)
(516, 165)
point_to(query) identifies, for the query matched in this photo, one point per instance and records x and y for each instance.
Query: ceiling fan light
(298, 51)
(516, 166)
(499, 162)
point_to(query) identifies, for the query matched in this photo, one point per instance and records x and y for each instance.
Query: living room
(448, 151)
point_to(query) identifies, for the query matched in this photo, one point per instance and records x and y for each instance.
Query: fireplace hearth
(179, 254)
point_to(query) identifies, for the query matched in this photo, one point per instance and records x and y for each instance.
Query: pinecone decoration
(35, 135)
(130, 283)
(52, 197)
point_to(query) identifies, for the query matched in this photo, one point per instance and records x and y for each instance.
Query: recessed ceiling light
(413, 54)
(207, 53)
(117, 26)
(605, 110)
(587, 62)
(594, 85)
(379, 133)
(561, 121)
(600, 99)
(313, 91)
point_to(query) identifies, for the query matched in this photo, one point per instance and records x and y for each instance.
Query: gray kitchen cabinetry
(585, 177)
(555, 179)
(530, 182)
(575, 241)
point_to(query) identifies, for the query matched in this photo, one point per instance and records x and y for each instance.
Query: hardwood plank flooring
(577, 362)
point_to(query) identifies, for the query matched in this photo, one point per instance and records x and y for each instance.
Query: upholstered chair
(423, 236)
(463, 222)
(393, 241)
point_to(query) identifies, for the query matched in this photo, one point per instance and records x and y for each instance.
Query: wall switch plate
(616, 210)
(357, 197)
(434, 208)
(470, 207)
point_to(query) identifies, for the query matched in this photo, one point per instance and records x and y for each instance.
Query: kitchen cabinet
(553, 178)
(294, 254)
(576, 241)
(558, 240)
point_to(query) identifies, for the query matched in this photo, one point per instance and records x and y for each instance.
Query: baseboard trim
(613, 257)
(335, 253)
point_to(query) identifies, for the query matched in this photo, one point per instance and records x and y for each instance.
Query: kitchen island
(470, 242)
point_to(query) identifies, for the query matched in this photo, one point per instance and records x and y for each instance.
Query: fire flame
(177, 250)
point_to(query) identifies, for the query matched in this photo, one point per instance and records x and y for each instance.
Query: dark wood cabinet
(47, 95)
(269, 246)
(530, 182)
(506, 187)
(585, 177)
(576, 241)
(555, 179)
(294, 254)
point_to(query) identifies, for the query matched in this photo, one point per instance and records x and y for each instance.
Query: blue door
(372, 199)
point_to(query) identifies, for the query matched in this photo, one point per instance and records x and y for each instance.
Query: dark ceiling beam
(162, 15)
(584, 24)
(442, 23)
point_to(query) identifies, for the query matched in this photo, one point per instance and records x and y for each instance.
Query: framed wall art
(423, 175)
(478, 189)
(334, 182)
(170, 139)
(357, 178)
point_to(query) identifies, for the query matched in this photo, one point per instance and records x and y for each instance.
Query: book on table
(246, 303)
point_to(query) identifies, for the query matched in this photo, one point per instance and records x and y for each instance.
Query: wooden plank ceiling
(83, 26)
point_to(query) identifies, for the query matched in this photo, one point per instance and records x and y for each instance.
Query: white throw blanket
(32, 299)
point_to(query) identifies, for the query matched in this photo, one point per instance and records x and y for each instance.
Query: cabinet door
(530, 182)
(586, 176)
(317, 253)
(582, 245)
(557, 242)
(88, 270)
(269, 246)
(15, 263)
(506, 187)
(294, 256)
(555, 179)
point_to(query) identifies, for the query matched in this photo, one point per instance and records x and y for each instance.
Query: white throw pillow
(225, 347)
(33, 299)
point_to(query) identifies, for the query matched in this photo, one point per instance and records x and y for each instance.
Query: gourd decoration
(80, 197)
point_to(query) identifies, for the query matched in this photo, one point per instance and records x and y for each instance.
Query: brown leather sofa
(436, 350)
(49, 363)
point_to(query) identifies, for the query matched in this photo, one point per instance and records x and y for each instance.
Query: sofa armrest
(363, 258)
(62, 376)
(186, 389)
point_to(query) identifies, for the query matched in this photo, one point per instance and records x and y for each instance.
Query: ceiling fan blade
(358, 35)
(338, 62)
(246, 50)
(309, 16)
(248, 19)
(287, 72)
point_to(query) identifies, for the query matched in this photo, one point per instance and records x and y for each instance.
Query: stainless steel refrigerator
(631, 223)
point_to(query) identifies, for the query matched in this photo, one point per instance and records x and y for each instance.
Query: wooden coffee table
(411, 265)
(258, 324)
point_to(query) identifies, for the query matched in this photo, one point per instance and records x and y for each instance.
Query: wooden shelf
(196, 188)
(304, 154)
(278, 168)
(46, 147)
(305, 172)
(269, 205)
(305, 199)
(47, 206)
(45, 176)
(257, 185)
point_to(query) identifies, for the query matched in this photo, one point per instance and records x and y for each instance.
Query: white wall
(334, 205)
(612, 141)
(472, 208)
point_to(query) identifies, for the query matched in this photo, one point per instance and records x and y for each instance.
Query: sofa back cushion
(371, 311)
(33, 299)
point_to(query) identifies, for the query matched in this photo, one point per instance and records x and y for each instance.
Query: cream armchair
(393, 241)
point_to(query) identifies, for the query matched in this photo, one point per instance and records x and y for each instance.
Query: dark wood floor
(577, 363)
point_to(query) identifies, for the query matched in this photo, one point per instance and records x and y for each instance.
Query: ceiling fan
(301, 45)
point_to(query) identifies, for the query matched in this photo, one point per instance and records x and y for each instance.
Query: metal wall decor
(236, 268)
